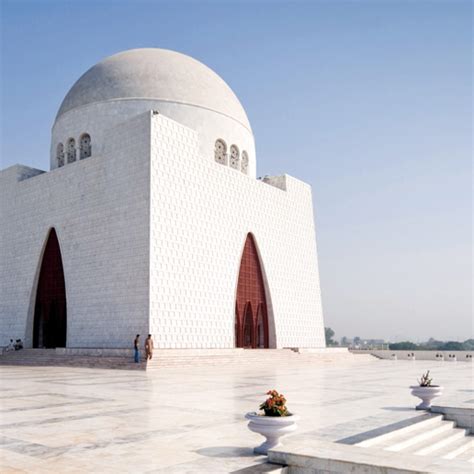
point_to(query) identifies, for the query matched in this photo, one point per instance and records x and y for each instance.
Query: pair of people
(148, 348)
(14, 346)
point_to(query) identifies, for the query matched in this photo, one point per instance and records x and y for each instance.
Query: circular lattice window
(234, 157)
(220, 151)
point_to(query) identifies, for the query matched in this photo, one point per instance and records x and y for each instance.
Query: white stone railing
(447, 356)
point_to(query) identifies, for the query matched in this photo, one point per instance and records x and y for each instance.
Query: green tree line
(433, 345)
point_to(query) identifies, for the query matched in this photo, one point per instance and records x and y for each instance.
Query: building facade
(151, 220)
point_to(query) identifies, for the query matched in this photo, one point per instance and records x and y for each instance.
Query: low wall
(449, 356)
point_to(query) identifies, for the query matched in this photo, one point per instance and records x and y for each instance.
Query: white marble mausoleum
(151, 220)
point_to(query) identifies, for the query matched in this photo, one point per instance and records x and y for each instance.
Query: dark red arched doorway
(49, 328)
(251, 320)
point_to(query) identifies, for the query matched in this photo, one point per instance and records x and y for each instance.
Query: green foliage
(452, 346)
(329, 333)
(403, 346)
(468, 345)
(434, 345)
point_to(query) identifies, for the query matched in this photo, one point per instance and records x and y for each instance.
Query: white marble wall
(99, 208)
(201, 212)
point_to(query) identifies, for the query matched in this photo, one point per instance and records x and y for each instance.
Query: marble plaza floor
(68, 420)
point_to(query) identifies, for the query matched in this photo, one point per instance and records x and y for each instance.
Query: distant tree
(403, 346)
(432, 344)
(344, 341)
(452, 346)
(357, 341)
(329, 337)
(468, 345)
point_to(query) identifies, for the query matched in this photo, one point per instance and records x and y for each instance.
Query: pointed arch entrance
(49, 326)
(251, 319)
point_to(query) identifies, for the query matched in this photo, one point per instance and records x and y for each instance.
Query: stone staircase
(425, 444)
(51, 357)
(244, 358)
(433, 436)
(175, 358)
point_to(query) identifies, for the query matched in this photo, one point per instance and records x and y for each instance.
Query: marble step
(157, 357)
(233, 359)
(191, 353)
(153, 363)
(453, 452)
(434, 446)
(74, 361)
(467, 455)
(171, 358)
(264, 468)
(251, 357)
(237, 359)
(164, 356)
(197, 363)
(388, 438)
(426, 436)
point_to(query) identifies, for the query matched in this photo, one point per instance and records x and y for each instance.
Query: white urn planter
(427, 394)
(273, 428)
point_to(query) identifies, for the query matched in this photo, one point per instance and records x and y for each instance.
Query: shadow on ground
(398, 408)
(226, 452)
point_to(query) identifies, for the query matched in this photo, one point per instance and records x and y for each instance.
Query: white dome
(132, 83)
(158, 75)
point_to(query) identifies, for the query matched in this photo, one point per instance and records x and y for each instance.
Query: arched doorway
(49, 327)
(251, 320)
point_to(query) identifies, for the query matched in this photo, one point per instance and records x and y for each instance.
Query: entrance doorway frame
(266, 305)
(30, 326)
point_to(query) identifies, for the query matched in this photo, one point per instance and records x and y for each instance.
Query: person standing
(149, 347)
(136, 346)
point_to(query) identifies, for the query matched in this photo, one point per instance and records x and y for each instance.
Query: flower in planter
(275, 404)
(426, 391)
(425, 380)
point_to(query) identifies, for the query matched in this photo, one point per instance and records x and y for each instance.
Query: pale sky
(368, 101)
